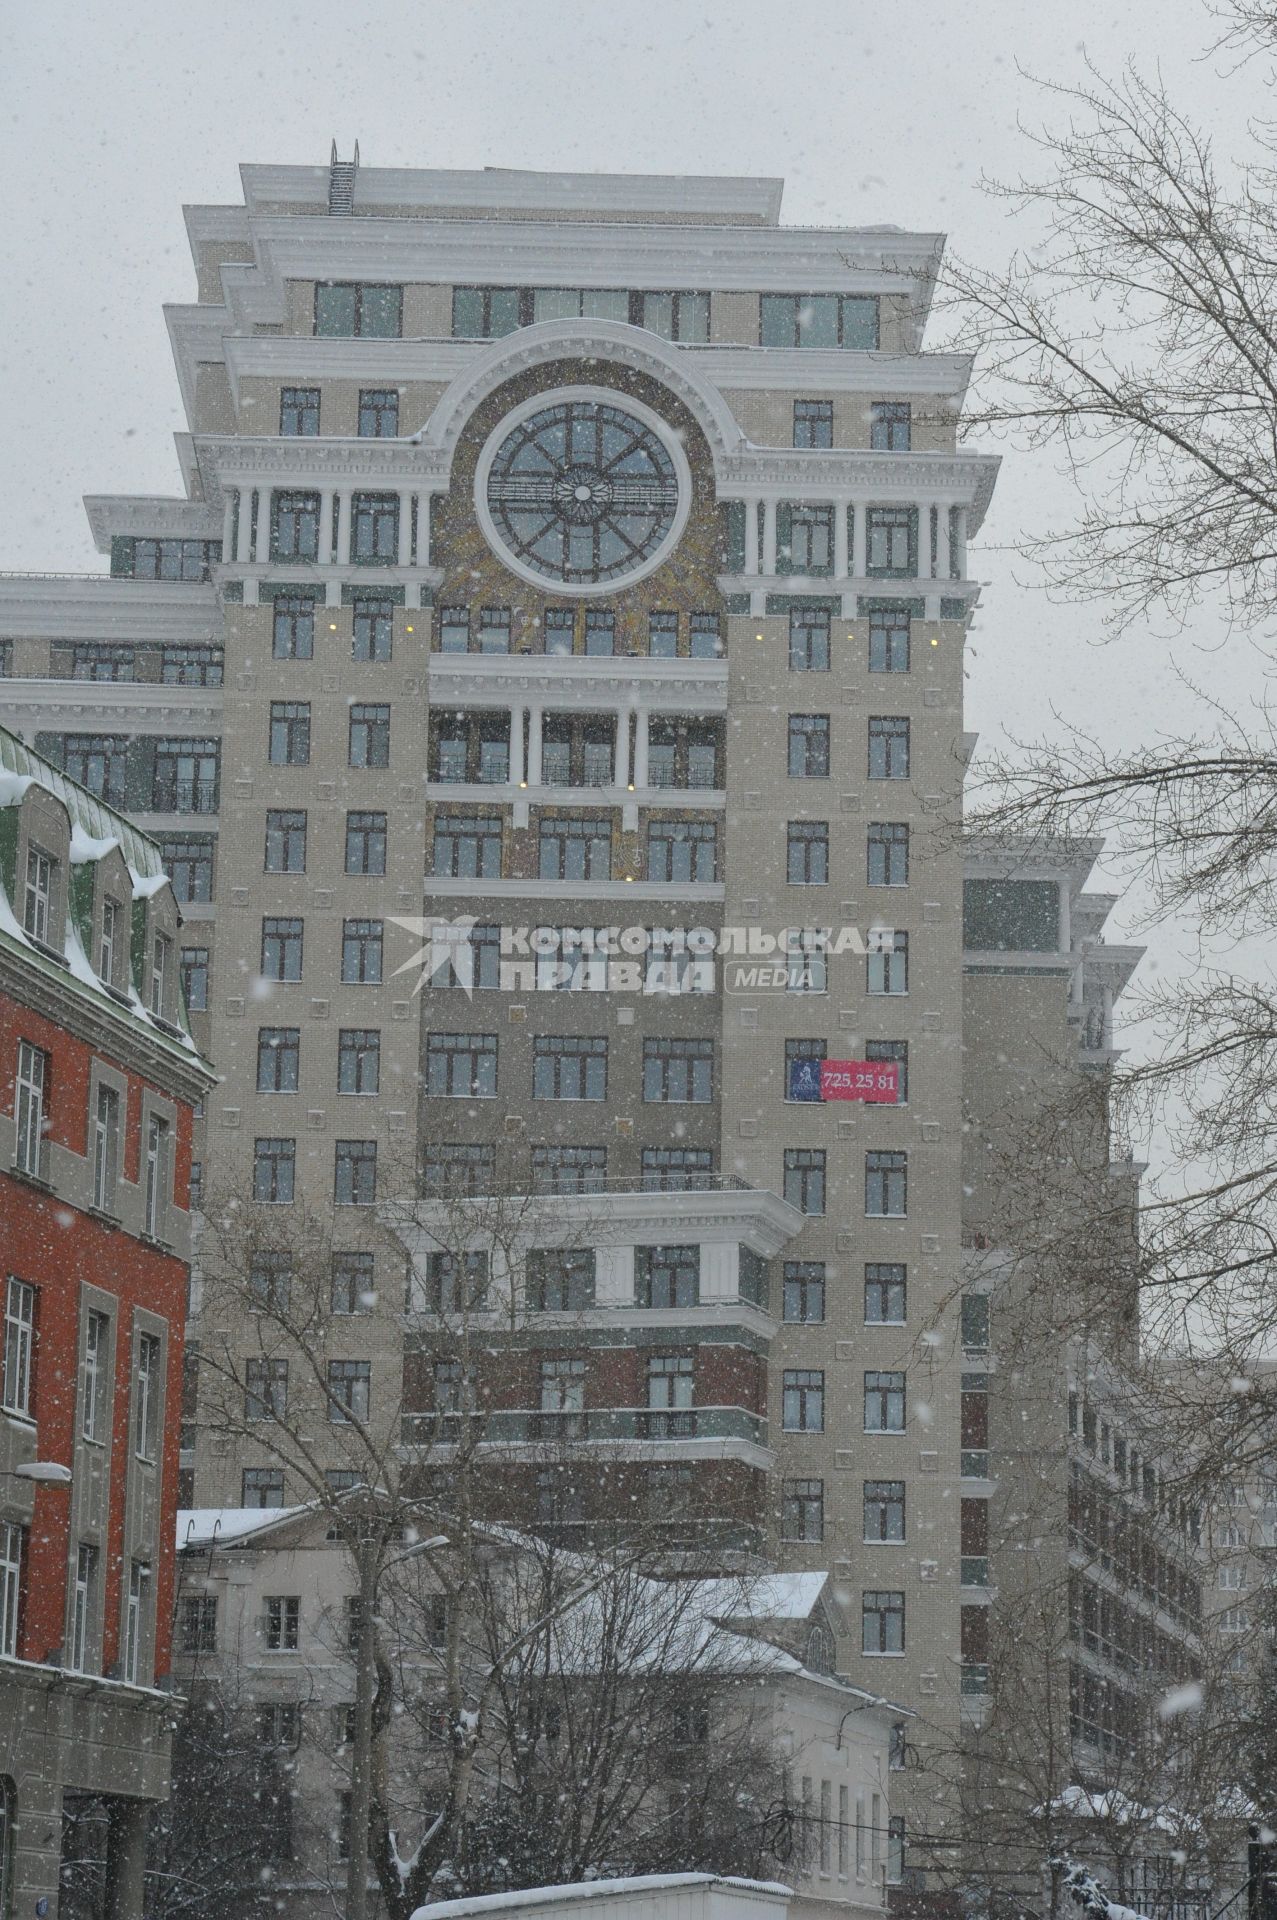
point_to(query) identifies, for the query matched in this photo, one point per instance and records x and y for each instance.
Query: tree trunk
(361, 1762)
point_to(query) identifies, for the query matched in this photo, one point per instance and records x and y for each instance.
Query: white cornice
(142, 707)
(148, 514)
(612, 1218)
(752, 197)
(675, 686)
(703, 893)
(97, 607)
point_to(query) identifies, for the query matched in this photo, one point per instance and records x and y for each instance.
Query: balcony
(974, 1463)
(974, 1570)
(975, 1676)
(713, 1431)
(183, 796)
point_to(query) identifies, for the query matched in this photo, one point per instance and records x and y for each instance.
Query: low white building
(660, 1896)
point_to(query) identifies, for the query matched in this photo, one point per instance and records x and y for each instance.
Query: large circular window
(582, 490)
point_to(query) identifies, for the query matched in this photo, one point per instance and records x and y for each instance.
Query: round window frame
(604, 396)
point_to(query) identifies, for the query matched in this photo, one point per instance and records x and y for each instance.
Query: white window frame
(85, 1572)
(95, 1374)
(37, 902)
(135, 1621)
(12, 1543)
(106, 940)
(161, 949)
(19, 1346)
(149, 1393)
(157, 1132)
(106, 1137)
(28, 1109)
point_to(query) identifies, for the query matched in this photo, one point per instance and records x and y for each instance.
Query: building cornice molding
(756, 196)
(100, 607)
(551, 680)
(144, 515)
(97, 704)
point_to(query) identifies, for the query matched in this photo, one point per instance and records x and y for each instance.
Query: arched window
(819, 1655)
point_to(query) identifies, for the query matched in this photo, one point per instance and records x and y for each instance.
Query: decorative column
(425, 503)
(751, 535)
(640, 747)
(254, 519)
(534, 746)
(942, 540)
(859, 562)
(960, 543)
(769, 536)
(516, 744)
(841, 510)
(621, 763)
(405, 528)
(228, 524)
(343, 526)
(243, 524)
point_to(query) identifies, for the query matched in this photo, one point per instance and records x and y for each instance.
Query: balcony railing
(520, 1426)
(975, 1676)
(183, 796)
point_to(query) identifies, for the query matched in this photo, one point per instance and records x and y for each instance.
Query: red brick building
(99, 1079)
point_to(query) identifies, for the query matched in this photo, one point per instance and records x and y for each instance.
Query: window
(681, 851)
(106, 1148)
(886, 1184)
(471, 960)
(884, 1510)
(108, 934)
(559, 627)
(135, 1622)
(667, 1276)
(97, 761)
(802, 1510)
(358, 1060)
(813, 423)
(148, 559)
(884, 1294)
(28, 1109)
(563, 1392)
(662, 635)
(494, 629)
(884, 1403)
(293, 627)
(819, 320)
(12, 1541)
(456, 1284)
(484, 313)
(374, 529)
(343, 309)
(888, 853)
(148, 1393)
(1017, 916)
(372, 633)
(352, 1289)
(82, 1607)
(889, 426)
(95, 1378)
(893, 1052)
(37, 902)
(262, 1487)
(679, 960)
(889, 640)
(294, 527)
(675, 316)
(804, 1291)
(808, 746)
(468, 846)
(366, 843)
(279, 1724)
(675, 1071)
(975, 1336)
(361, 943)
(157, 1176)
(808, 640)
(278, 1059)
(290, 733)
(804, 539)
(895, 1849)
(558, 1169)
(193, 969)
(887, 963)
(807, 853)
(91, 661)
(188, 862)
(458, 1169)
(270, 1280)
(355, 1173)
(265, 1389)
(281, 949)
(569, 1067)
(671, 1391)
(370, 736)
(705, 639)
(461, 1066)
(198, 1622)
(299, 410)
(191, 666)
(891, 541)
(185, 778)
(805, 1178)
(803, 1400)
(560, 1279)
(283, 1619)
(888, 748)
(274, 1170)
(883, 1623)
(454, 629)
(575, 849)
(379, 413)
(349, 1385)
(285, 841)
(19, 1346)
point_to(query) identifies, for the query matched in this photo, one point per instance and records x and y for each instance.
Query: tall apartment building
(98, 1080)
(571, 553)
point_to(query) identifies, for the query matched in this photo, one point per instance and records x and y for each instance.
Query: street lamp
(46, 1473)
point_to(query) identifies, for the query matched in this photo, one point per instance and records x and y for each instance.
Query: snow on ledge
(574, 1890)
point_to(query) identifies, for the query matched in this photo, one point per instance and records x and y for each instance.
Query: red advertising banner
(859, 1080)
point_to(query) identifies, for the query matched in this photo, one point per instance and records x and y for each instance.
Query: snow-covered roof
(597, 1890)
(766, 1596)
(1085, 1803)
(218, 1526)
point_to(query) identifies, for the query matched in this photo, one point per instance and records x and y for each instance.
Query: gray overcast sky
(115, 115)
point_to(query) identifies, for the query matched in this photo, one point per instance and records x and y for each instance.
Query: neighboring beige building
(263, 1627)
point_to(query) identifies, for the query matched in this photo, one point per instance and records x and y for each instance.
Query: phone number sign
(870, 1080)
